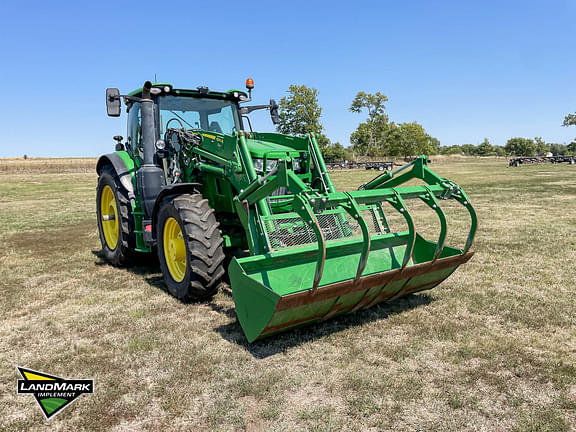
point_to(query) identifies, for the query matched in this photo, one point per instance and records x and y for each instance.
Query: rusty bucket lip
(337, 289)
(345, 287)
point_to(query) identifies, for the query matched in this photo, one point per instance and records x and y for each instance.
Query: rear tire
(116, 234)
(189, 247)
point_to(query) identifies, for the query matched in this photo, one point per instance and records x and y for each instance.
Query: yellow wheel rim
(109, 215)
(174, 249)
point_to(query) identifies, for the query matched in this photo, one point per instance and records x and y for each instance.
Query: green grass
(492, 348)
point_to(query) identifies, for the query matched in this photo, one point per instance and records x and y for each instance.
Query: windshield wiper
(182, 119)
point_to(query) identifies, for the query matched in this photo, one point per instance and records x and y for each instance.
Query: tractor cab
(216, 119)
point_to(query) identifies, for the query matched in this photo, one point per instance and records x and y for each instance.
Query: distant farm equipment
(379, 166)
(516, 162)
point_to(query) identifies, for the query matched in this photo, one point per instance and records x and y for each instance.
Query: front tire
(115, 221)
(189, 247)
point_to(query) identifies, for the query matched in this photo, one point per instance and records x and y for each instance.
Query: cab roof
(198, 92)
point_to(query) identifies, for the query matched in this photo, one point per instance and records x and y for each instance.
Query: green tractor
(194, 185)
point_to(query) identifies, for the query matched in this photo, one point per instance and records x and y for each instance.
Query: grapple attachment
(334, 253)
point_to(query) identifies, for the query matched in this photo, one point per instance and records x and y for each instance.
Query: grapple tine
(461, 197)
(353, 209)
(398, 203)
(356, 214)
(306, 213)
(433, 203)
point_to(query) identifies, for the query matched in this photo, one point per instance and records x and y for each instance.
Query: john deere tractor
(193, 183)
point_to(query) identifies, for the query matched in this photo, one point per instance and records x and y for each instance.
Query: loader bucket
(341, 260)
(272, 293)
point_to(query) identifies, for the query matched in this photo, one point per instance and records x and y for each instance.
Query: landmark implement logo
(52, 393)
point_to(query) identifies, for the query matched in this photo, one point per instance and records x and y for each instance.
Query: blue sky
(465, 70)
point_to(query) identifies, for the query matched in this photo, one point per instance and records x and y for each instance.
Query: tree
(336, 152)
(569, 120)
(374, 104)
(520, 147)
(468, 149)
(558, 149)
(451, 150)
(499, 151)
(373, 140)
(541, 147)
(485, 149)
(299, 111)
(412, 139)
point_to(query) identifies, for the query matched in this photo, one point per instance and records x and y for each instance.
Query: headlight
(296, 165)
(271, 164)
(258, 164)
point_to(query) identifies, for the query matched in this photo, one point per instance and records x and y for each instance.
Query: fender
(168, 190)
(124, 167)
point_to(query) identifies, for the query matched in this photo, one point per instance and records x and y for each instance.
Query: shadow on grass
(283, 341)
(149, 269)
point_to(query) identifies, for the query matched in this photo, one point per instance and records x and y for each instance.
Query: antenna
(155, 80)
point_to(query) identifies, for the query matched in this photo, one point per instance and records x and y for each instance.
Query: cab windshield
(215, 115)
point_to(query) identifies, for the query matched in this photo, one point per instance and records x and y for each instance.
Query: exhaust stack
(150, 176)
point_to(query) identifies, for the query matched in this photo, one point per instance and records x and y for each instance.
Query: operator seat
(215, 127)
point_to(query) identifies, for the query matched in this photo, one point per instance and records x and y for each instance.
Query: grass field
(491, 349)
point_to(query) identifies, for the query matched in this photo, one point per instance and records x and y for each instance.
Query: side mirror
(274, 116)
(113, 102)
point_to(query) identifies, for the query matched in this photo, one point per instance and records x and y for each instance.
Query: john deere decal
(52, 393)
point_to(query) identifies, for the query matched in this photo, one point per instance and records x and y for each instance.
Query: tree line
(514, 147)
(377, 136)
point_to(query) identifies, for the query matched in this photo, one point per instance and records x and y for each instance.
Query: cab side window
(134, 128)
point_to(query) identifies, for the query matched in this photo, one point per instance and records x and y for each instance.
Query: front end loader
(192, 184)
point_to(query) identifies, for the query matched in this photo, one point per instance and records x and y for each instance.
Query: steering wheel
(177, 119)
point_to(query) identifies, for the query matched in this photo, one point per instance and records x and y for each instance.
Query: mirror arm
(131, 98)
(249, 109)
(126, 97)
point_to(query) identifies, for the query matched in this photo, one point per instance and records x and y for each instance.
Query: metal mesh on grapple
(287, 230)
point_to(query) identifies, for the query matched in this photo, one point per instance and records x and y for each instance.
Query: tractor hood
(260, 149)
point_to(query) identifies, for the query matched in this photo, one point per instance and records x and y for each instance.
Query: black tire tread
(123, 254)
(204, 244)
